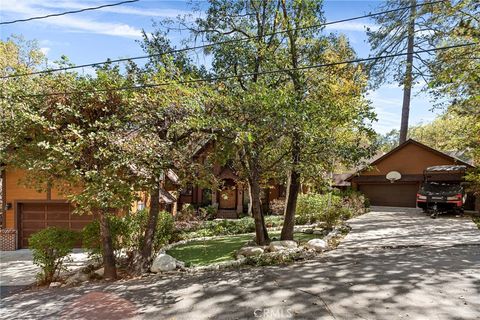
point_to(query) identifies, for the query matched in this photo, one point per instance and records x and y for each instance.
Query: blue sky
(111, 33)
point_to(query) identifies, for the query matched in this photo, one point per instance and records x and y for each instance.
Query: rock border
(170, 246)
(335, 234)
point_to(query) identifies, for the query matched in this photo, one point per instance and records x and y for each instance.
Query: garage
(394, 178)
(397, 195)
(35, 216)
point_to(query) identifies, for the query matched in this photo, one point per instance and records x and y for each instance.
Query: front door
(228, 196)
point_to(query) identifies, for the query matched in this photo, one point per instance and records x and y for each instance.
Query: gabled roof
(166, 196)
(401, 146)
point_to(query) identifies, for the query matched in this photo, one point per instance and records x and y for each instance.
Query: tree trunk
(300, 89)
(261, 233)
(144, 260)
(110, 269)
(250, 205)
(292, 194)
(407, 85)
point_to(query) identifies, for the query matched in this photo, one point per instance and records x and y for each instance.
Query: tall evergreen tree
(404, 31)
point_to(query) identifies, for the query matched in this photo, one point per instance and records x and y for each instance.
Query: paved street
(374, 274)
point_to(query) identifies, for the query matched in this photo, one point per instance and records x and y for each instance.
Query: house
(229, 193)
(231, 197)
(26, 210)
(410, 159)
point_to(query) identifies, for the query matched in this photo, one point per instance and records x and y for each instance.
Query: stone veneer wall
(8, 239)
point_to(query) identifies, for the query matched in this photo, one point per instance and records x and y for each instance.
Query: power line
(154, 85)
(68, 12)
(216, 43)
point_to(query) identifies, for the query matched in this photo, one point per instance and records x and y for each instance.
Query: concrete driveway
(18, 272)
(409, 227)
(365, 278)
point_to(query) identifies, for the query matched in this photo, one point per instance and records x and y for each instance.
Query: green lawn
(201, 253)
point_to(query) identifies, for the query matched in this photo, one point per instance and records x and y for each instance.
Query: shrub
(165, 227)
(273, 221)
(208, 212)
(187, 213)
(51, 247)
(187, 221)
(227, 227)
(313, 208)
(128, 232)
(331, 216)
(278, 258)
(356, 202)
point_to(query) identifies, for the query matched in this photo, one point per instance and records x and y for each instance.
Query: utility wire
(217, 43)
(68, 12)
(219, 78)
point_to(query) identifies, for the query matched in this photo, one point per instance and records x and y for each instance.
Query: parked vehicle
(438, 194)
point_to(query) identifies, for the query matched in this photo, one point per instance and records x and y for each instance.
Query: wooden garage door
(391, 195)
(33, 217)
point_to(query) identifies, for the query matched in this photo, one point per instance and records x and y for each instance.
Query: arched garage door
(391, 194)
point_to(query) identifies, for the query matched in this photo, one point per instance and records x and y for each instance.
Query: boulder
(55, 284)
(180, 264)
(282, 245)
(163, 262)
(99, 272)
(317, 232)
(250, 251)
(77, 278)
(318, 245)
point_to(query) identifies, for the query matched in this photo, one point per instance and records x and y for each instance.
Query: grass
(201, 253)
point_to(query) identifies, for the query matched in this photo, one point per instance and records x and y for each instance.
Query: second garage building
(409, 159)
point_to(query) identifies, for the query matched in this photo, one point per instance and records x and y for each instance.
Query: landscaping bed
(221, 249)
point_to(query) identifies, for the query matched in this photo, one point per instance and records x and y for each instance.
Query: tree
(328, 120)
(449, 132)
(455, 78)
(168, 119)
(387, 141)
(312, 119)
(73, 141)
(243, 124)
(401, 31)
(253, 141)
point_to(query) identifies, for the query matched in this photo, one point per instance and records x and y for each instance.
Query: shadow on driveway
(364, 282)
(17, 271)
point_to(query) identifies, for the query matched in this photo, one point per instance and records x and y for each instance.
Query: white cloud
(106, 28)
(26, 9)
(351, 26)
(123, 9)
(45, 50)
